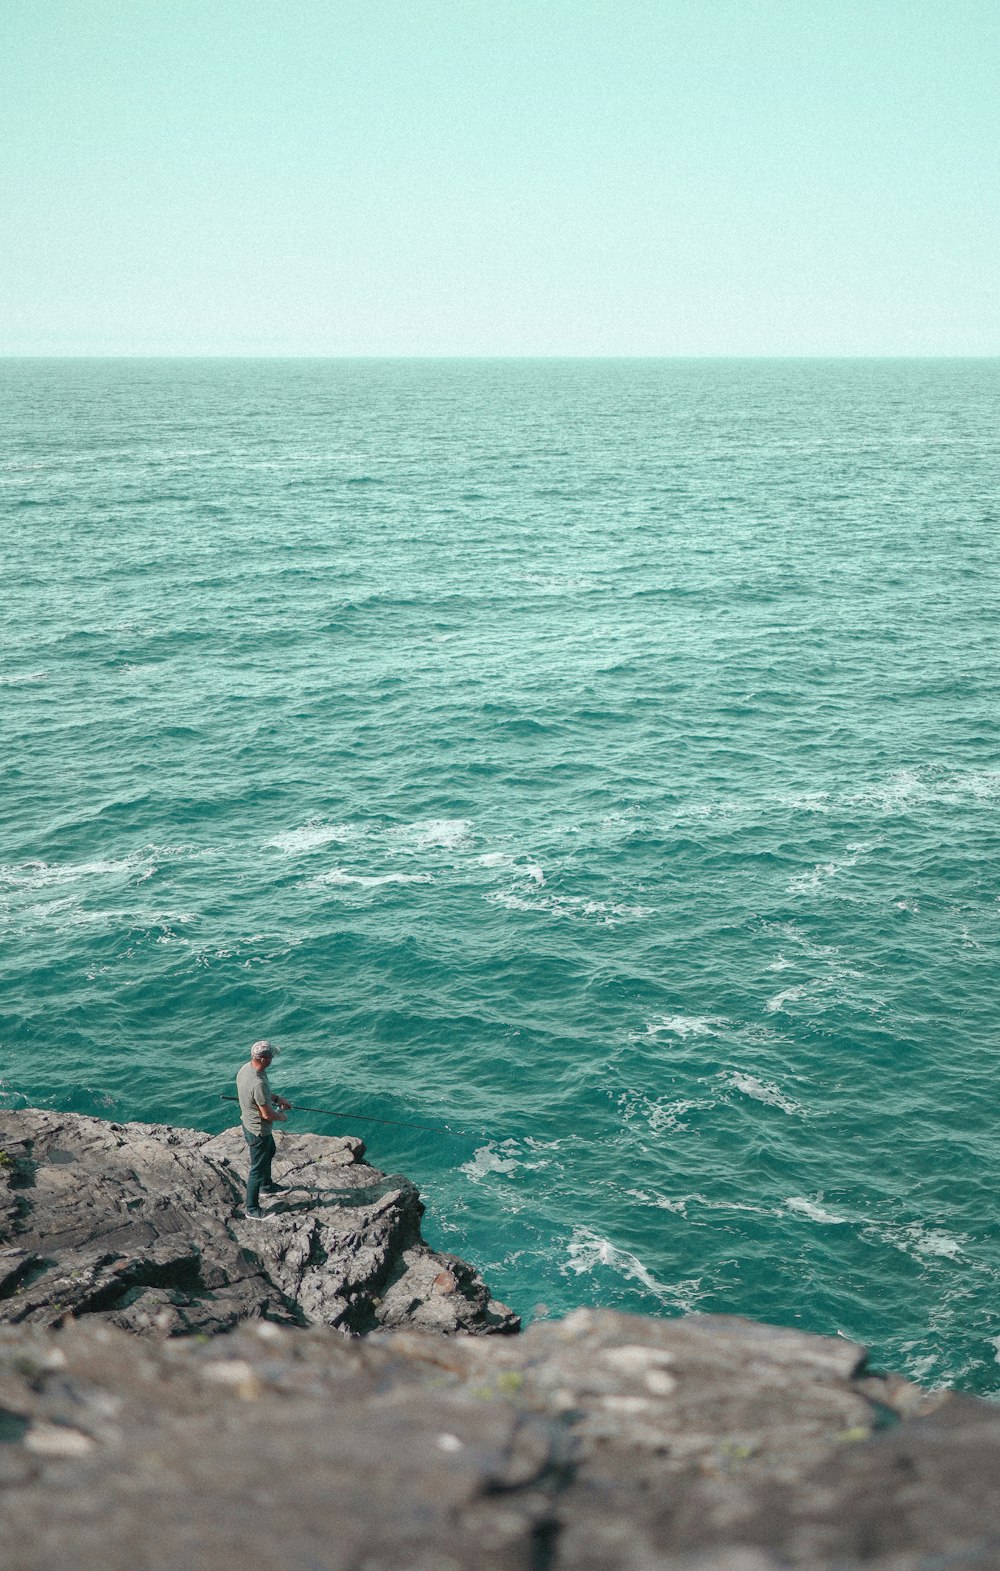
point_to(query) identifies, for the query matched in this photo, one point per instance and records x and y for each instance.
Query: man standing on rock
(259, 1109)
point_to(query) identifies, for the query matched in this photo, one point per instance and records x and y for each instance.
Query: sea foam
(761, 1091)
(337, 875)
(311, 837)
(814, 1212)
(588, 1251)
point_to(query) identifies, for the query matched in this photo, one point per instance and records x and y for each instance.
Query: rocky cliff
(601, 1441)
(142, 1226)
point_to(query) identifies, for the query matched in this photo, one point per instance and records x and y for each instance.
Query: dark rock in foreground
(605, 1440)
(142, 1226)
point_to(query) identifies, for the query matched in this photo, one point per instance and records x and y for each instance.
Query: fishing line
(369, 1118)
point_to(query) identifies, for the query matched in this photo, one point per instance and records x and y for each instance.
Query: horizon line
(493, 357)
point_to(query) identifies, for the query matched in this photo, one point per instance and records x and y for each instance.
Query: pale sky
(499, 177)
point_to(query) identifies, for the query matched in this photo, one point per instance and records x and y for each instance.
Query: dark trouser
(262, 1149)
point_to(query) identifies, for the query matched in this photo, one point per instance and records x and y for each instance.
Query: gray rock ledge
(601, 1441)
(142, 1226)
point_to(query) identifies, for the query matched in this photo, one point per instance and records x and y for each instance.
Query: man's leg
(266, 1179)
(259, 1158)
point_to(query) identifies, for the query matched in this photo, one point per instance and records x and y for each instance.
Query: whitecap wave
(311, 837)
(659, 1114)
(9, 1098)
(923, 1370)
(661, 1202)
(336, 875)
(533, 871)
(791, 995)
(663, 1116)
(525, 869)
(807, 801)
(814, 1212)
(685, 1025)
(488, 1159)
(917, 1240)
(933, 1241)
(448, 833)
(608, 912)
(588, 1250)
(822, 872)
(935, 785)
(762, 1091)
(41, 875)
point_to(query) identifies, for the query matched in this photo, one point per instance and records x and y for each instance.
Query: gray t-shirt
(254, 1093)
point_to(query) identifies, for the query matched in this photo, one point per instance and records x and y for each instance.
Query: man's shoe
(255, 1214)
(275, 1189)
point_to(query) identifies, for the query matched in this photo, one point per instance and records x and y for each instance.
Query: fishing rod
(369, 1118)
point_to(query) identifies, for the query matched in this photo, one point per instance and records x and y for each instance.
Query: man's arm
(270, 1109)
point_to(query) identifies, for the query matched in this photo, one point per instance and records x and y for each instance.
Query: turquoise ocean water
(602, 757)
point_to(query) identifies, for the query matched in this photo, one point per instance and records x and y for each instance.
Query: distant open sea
(601, 757)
